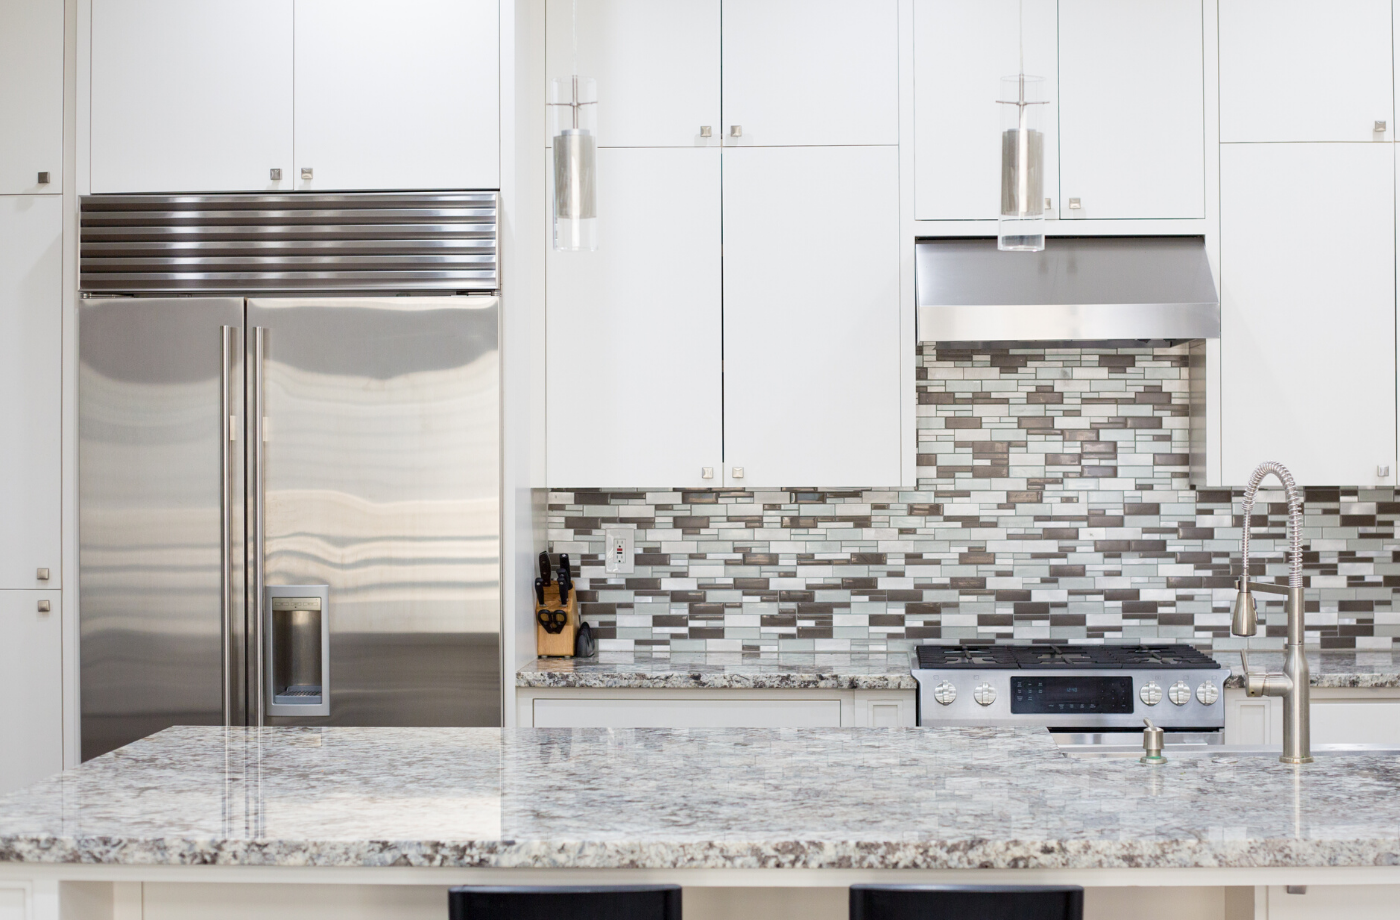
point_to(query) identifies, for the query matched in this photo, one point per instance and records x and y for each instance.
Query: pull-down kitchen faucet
(1292, 684)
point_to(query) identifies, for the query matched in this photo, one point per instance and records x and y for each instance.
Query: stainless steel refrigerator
(289, 497)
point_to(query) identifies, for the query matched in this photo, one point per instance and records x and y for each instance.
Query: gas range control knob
(945, 692)
(1180, 693)
(1151, 693)
(1207, 693)
(985, 695)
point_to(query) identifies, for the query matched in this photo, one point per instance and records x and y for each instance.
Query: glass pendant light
(1021, 225)
(574, 102)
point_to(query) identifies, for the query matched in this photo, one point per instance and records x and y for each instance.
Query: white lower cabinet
(623, 708)
(1307, 312)
(1339, 716)
(31, 687)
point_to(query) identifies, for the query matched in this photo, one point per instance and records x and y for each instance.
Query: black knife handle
(545, 577)
(539, 592)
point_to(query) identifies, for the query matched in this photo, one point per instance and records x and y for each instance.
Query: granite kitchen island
(404, 812)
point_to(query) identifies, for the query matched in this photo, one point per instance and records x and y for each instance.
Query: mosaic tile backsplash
(1052, 504)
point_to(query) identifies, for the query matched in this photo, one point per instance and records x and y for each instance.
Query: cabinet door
(962, 49)
(403, 96)
(656, 63)
(1307, 324)
(1305, 70)
(31, 323)
(1132, 117)
(31, 96)
(633, 335)
(811, 316)
(191, 96)
(811, 72)
(31, 684)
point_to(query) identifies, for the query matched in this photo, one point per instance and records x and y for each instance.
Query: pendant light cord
(573, 27)
(1020, 35)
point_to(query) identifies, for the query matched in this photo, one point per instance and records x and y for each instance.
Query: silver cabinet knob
(738, 472)
(736, 131)
(705, 131)
(275, 175)
(1074, 204)
(707, 472)
(945, 692)
(985, 695)
(41, 574)
(44, 178)
(1151, 693)
(1207, 693)
(306, 174)
(1379, 127)
(45, 606)
(1180, 693)
(1382, 470)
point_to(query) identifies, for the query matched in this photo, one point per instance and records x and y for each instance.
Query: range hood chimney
(1078, 289)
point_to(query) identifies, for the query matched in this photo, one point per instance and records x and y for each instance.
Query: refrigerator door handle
(229, 437)
(256, 435)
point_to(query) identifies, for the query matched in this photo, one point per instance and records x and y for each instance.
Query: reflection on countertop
(723, 671)
(859, 798)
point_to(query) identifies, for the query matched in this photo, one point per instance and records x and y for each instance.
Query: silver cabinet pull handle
(1380, 127)
(275, 175)
(707, 472)
(44, 177)
(738, 472)
(705, 131)
(736, 130)
(257, 418)
(45, 606)
(306, 174)
(1074, 204)
(41, 574)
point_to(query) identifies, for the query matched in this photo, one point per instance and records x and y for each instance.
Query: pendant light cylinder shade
(574, 103)
(1021, 226)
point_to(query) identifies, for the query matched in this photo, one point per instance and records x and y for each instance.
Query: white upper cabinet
(397, 96)
(656, 63)
(1305, 70)
(810, 72)
(962, 50)
(31, 332)
(1307, 324)
(1132, 117)
(811, 318)
(191, 96)
(633, 329)
(31, 96)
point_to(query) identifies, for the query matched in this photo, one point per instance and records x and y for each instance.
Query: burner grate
(1063, 657)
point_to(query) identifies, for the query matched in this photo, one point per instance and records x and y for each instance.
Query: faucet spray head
(1245, 621)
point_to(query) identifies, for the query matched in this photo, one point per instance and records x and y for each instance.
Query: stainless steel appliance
(1078, 288)
(288, 462)
(1071, 687)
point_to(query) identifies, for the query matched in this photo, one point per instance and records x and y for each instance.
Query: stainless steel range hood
(1079, 288)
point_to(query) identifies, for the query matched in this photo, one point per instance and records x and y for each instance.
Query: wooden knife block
(560, 644)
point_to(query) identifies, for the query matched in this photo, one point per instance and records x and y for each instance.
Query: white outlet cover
(617, 550)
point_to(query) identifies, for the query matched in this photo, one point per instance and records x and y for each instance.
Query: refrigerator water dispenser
(297, 650)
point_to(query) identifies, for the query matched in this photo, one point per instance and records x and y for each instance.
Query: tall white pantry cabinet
(739, 324)
(31, 325)
(1307, 239)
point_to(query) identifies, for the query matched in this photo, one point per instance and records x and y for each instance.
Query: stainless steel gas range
(1071, 687)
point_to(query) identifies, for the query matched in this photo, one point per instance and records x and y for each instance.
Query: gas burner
(1072, 657)
(997, 657)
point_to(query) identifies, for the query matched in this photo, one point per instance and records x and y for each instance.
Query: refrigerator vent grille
(428, 241)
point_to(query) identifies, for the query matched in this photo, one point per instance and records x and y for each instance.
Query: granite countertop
(1326, 667)
(723, 671)
(672, 798)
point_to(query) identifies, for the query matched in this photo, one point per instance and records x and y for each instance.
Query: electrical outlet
(617, 550)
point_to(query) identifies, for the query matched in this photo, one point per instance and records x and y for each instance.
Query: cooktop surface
(1062, 657)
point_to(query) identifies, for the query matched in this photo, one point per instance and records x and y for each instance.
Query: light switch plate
(617, 550)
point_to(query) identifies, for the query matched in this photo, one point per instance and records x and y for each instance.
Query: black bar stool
(565, 902)
(967, 902)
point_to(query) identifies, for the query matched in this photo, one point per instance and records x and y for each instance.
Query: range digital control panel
(1078, 695)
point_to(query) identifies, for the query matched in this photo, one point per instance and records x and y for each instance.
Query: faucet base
(1294, 760)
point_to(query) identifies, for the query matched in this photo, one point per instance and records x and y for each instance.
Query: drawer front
(663, 713)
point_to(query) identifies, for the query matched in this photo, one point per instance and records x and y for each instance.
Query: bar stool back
(967, 902)
(565, 902)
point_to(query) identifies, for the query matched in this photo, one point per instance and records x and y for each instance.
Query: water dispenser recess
(297, 650)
